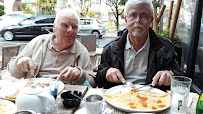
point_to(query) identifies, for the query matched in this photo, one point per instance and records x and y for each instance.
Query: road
(101, 42)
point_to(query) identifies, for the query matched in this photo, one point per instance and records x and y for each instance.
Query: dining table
(61, 109)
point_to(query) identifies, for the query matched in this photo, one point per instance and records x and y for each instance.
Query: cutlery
(129, 84)
(144, 86)
(190, 101)
(77, 96)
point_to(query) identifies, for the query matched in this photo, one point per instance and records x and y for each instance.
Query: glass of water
(180, 89)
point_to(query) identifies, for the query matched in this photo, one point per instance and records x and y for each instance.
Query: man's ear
(54, 28)
(152, 20)
(125, 19)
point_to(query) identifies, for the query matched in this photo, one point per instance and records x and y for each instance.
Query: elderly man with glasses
(139, 56)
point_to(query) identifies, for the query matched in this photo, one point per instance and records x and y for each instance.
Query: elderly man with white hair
(139, 56)
(58, 55)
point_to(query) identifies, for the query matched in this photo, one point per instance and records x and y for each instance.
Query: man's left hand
(69, 73)
(162, 78)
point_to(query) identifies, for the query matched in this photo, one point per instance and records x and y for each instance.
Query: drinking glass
(180, 89)
(54, 88)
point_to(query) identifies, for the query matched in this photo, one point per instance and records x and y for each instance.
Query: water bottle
(199, 108)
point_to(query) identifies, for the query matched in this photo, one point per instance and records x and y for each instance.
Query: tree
(114, 4)
(26, 9)
(90, 13)
(2, 12)
(84, 6)
(46, 7)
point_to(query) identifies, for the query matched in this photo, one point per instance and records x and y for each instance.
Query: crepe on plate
(139, 100)
(5, 109)
(28, 84)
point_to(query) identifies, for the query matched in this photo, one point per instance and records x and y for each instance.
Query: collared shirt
(55, 61)
(136, 62)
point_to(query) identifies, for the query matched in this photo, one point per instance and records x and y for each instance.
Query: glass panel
(184, 29)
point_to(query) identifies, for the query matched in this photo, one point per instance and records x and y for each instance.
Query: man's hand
(69, 73)
(163, 78)
(114, 75)
(26, 64)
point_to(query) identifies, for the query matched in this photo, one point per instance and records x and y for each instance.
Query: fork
(144, 86)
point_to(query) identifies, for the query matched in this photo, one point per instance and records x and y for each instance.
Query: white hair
(65, 11)
(136, 3)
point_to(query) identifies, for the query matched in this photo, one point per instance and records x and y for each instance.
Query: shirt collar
(145, 46)
(128, 44)
(72, 49)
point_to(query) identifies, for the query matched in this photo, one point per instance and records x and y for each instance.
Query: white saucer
(83, 111)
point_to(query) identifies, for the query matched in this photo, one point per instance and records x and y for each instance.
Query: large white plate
(11, 88)
(12, 107)
(126, 88)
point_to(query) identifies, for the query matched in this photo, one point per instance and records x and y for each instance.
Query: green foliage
(2, 12)
(46, 7)
(122, 2)
(176, 40)
(156, 3)
(90, 13)
(121, 12)
(26, 9)
(84, 6)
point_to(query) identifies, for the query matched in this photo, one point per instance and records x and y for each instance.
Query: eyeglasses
(143, 17)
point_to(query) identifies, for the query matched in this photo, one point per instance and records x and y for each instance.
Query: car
(92, 26)
(28, 28)
(7, 19)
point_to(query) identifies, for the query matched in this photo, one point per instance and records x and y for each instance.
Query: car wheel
(8, 35)
(96, 33)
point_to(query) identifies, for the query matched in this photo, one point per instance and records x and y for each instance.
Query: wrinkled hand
(163, 78)
(69, 73)
(114, 75)
(26, 64)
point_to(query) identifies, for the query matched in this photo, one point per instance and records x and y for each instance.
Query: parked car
(8, 19)
(92, 26)
(28, 28)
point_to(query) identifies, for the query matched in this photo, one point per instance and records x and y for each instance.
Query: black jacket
(161, 57)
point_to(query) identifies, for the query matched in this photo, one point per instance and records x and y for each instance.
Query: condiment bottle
(199, 107)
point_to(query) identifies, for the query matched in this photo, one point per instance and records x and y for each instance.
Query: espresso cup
(94, 104)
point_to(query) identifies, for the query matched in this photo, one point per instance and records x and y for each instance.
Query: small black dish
(70, 100)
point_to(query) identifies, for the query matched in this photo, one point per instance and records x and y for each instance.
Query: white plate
(83, 111)
(12, 107)
(126, 88)
(11, 88)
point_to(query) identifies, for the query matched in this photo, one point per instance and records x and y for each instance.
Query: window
(47, 20)
(192, 47)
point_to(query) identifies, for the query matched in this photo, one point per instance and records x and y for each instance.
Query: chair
(89, 41)
(7, 53)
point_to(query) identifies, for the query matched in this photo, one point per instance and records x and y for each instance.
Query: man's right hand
(26, 64)
(114, 75)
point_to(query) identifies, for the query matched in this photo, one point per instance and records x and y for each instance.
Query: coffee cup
(94, 104)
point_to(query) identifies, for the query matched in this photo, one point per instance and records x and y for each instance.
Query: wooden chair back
(7, 53)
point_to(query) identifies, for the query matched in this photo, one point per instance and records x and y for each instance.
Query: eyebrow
(66, 22)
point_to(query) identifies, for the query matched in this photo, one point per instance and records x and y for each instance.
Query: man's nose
(70, 28)
(138, 19)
